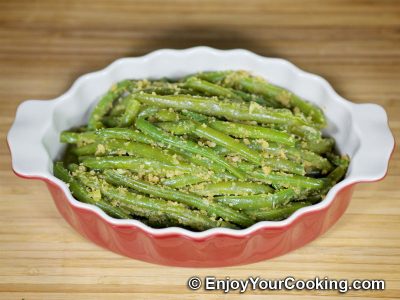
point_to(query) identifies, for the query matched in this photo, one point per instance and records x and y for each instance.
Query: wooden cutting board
(45, 45)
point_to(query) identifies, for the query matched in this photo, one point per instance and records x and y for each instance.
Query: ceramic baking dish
(361, 131)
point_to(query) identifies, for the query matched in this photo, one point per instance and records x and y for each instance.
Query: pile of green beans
(213, 149)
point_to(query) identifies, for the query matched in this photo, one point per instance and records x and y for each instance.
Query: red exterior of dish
(213, 251)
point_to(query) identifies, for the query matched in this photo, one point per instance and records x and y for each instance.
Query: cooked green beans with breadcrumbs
(212, 149)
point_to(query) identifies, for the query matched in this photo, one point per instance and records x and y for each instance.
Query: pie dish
(360, 130)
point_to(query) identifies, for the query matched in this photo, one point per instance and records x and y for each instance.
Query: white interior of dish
(360, 131)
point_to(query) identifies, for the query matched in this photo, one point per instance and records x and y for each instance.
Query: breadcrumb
(266, 170)
(211, 144)
(254, 106)
(100, 149)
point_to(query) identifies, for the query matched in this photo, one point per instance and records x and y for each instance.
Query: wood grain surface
(45, 45)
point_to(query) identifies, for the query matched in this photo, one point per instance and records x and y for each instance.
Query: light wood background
(45, 45)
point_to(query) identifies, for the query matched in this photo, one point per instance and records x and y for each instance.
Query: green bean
(256, 98)
(134, 164)
(167, 88)
(213, 76)
(246, 166)
(116, 147)
(69, 156)
(166, 115)
(277, 199)
(308, 158)
(119, 107)
(276, 163)
(113, 211)
(124, 134)
(250, 131)
(159, 114)
(182, 181)
(71, 137)
(209, 88)
(222, 150)
(284, 165)
(333, 177)
(288, 180)
(224, 79)
(307, 133)
(130, 113)
(154, 208)
(195, 116)
(141, 150)
(232, 111)
(338, 173)
(148, 111)
(88, 149)
(338, 160)
(301, 132)
(166, 211)
(80, 193)
(175, 142)
(187, 179)
(76, 189)
(111, 121)
(201, 161)
(156, 222)
(105, 104)
(226, 141)
(231, 188)
(178, 128)
(103, 134)
(162, 90)
(318, 146)
(278, 213)
(212, 209)
(258, 85)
